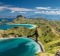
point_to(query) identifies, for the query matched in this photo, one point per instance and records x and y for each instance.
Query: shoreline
(32, 26)
(36, 48)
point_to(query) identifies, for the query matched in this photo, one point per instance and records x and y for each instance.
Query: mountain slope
(48, 31)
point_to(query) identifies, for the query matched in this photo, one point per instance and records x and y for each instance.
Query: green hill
(48, 31)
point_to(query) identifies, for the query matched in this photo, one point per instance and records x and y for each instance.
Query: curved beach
(18, 47)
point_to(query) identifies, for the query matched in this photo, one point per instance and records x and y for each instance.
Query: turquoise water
(18, 47)
(6, 26)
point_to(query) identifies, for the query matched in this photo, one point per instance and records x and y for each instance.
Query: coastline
(32, 26)
(30, 43)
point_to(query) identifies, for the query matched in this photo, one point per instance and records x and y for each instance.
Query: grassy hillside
(48, 31)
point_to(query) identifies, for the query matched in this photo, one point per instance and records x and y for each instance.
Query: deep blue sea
(7, 19)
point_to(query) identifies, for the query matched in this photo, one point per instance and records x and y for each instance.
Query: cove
(18, 47)
(21, 46)
(8, 26)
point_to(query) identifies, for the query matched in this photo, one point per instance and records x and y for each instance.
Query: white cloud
(48, 12)
(14, 8)
(19, 9)
(22, 12)
(43, 8)
(2, 8)
(37, 10)
(47, 8)
(12, 11)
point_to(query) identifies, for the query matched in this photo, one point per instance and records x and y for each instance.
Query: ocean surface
(18, 47)
(7, 19)
(6, 26)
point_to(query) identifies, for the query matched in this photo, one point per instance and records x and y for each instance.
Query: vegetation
(48, 31)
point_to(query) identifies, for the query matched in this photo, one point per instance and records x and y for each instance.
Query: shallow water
(18, 47)
(6, 26)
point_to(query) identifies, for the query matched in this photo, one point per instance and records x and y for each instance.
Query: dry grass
(45, 54)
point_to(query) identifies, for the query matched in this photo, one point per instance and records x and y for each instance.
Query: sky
(29, 7)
